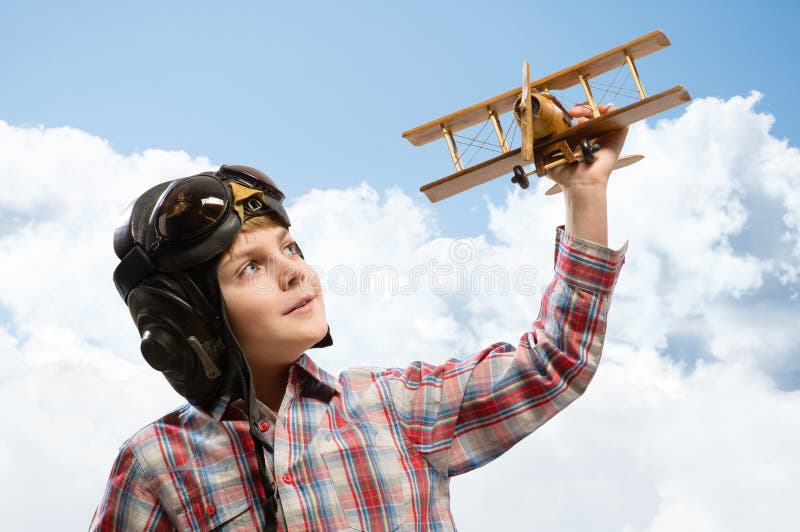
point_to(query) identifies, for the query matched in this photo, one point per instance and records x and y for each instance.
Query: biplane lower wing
(473, 176)
(592, 129)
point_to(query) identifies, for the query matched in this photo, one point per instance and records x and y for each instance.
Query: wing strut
(589, 97)
(451, 145)
(498, 129)
(635, 74)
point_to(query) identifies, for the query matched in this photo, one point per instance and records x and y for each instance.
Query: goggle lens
(191, 208)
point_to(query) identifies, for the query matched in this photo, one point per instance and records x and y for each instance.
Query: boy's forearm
(587, 213)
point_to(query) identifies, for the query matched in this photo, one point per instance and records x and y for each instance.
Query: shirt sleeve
(467, 411)
(128, 502)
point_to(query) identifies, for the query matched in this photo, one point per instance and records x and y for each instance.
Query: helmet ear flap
(176, 340)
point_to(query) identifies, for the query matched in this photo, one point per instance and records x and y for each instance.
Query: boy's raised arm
(466, 412)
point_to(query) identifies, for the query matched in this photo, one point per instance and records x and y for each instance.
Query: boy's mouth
(301, 303)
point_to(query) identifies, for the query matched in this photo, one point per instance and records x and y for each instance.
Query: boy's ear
(185, 346)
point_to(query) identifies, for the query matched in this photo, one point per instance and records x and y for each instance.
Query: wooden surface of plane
(599, 64)
(594, 128)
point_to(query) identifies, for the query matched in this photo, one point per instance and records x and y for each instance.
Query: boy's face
(263, 280)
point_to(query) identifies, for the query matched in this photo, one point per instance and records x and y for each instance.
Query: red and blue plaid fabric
(374, 449)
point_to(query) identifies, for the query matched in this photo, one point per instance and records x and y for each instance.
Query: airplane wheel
(520, 178)
(588, 150)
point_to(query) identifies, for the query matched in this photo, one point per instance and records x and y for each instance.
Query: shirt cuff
(586, 264)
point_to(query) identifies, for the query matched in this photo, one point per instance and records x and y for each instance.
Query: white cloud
(70, 362)
(701, 441)
(650, 450)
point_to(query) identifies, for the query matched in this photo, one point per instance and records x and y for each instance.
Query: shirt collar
(312, 381)
(319, 384)
(223, 405)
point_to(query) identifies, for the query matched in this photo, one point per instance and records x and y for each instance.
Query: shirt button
(287, 478)
(211, 510)
(263, 426)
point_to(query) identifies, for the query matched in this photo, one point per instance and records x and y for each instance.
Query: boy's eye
(249, 268)
(290, 249)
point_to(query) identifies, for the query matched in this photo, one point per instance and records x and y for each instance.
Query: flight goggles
(191, 221)
(192, 207)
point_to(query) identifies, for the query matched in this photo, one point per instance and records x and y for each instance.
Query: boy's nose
(289, 275)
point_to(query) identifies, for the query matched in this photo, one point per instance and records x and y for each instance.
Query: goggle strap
(134, 267)
(277, 207)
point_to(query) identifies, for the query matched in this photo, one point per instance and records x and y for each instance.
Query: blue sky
(700, 370)
(317, 94)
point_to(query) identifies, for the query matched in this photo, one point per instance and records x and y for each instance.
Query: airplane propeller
(526, 113)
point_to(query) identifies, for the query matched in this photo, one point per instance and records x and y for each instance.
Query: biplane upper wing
(591, 129)
(565, 78)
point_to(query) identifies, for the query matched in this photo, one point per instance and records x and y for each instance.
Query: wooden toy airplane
(548, 138)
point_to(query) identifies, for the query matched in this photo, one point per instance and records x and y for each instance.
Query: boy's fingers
(583, 110)
(613, 140)
(606, 108)
(580, 110)
(583, 113)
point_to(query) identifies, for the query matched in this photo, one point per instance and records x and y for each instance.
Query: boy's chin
(317, 338)
(308, 339)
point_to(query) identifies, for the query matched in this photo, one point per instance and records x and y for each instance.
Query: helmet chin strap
(236, 356)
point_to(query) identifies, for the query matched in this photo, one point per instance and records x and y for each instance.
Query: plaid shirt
(374, 449)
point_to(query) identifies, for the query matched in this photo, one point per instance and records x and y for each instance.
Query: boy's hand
(574, 177)
(584, 184)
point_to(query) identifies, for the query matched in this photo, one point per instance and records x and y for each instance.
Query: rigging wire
(476, 144)
(480, 144)
(473, 140)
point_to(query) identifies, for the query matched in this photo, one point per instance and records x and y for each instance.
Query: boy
(227, 307)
